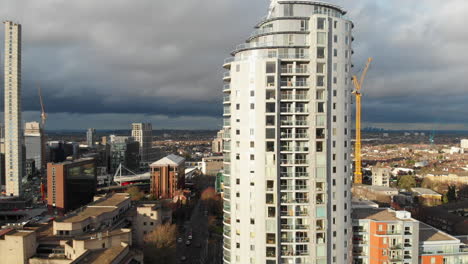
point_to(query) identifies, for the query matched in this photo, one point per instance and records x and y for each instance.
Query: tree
(160, 245)
(135, 193)
(451, 193)
(406, 182)
(212, 201)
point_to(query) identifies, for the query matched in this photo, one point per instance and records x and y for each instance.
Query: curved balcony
(261, 45)
(227, 87)
(228, 61)
(227, 76)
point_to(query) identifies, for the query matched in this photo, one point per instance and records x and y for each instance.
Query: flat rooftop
(377, 214)
(97, 208)
(104, 256)
(431, 234)
(87, 213)
(425, 191)
(113, 201)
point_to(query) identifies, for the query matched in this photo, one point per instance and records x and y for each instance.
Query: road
(197, 226)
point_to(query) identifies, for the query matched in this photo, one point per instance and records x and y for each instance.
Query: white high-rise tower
(13, 123)
(143, 133)
(287, 110)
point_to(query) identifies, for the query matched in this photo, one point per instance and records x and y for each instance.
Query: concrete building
(381, 176)
(104, 211)
(125, 151)
(143, 134)
(13, 122)
(17, 246)
(167, 176)
(401, 239)
(91, 137)
(35, 144)
(212, 165)
(287, 110)
(71, 184)
(217, 144)
(147, 218)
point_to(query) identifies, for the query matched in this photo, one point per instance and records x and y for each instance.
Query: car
(183, 258)
(179, 240)
(190, 237)
(187, 243)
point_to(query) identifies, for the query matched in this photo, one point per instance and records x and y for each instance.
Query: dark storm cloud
(131, 59)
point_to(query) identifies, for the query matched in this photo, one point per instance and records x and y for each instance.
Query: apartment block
(381, 176)
(287, 128)
(385, 236)
(167, 176)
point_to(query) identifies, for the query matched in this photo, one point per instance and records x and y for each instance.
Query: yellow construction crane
(357, 147)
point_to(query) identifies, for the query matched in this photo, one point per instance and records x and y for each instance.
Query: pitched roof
(169, 160)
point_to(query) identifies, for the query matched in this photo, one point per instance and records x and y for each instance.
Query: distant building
(381, 176)
(59, 151)
(212, 165)
(401, 239)
(30, 167)
(125, 151)
(167, 176)
(217, 144)
(464, 143)
(91, 137)
(34, 140)
(448, 178)
(71, 184)
(143, 134)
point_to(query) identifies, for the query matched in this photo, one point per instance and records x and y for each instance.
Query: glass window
(320, 23)
(270, 67)
(321, 38)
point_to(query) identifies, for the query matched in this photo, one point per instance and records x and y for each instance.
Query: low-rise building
(212, 165)
(101, 214)
(217, 144)
(17, 246)
(388, 236)
(380, 194)
(427, 196)
(149, 216)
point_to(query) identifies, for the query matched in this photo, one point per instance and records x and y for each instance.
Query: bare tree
(160, 245)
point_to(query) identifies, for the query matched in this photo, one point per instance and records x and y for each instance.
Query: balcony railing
(227, 74)
(286, 70)
(226, 99)
(226, 87)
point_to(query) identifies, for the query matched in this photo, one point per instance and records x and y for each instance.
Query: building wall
(381, 176)
(166, 180)
(13, 122)
(147, 218)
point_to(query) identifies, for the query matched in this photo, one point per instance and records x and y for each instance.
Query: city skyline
(88, 79)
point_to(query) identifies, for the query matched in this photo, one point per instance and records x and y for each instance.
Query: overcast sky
(107, 63)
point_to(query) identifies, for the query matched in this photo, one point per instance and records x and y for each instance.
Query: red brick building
(71, 184)
(167, 176)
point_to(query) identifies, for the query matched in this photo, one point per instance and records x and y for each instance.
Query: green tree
(160, 245)
(406, 182)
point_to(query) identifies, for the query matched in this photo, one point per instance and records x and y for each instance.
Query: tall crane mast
(43, 113)
(357, 147)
